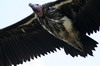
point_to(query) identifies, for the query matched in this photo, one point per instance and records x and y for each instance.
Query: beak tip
(30, 4)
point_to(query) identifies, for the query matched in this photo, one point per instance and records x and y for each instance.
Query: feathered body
(58, 24)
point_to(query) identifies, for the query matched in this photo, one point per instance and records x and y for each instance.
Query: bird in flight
(54, 25)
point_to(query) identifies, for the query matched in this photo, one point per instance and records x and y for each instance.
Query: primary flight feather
(54, 25)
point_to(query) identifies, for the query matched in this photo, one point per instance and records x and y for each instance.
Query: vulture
(53, 25)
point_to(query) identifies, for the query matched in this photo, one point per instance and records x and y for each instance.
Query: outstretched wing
(24, 40)
(85, 14)
(87, 19)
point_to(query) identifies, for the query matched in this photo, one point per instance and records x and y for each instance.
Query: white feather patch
(30, 21)
(67, 24)
(62, 3)
(23, 30)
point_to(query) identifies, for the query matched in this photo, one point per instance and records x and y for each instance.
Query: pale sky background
(12, 11)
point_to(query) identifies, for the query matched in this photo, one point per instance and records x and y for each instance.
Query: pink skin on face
(37, 9)
(39, 13)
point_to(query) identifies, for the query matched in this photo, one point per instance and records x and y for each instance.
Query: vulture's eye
(37, 4)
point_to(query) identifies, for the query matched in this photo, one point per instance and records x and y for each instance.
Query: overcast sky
(12, 11)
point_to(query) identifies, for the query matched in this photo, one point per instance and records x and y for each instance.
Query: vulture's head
(37, 9)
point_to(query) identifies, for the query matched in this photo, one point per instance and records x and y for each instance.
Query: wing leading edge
(22, 41)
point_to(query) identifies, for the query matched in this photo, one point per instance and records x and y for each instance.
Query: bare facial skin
(37, 9)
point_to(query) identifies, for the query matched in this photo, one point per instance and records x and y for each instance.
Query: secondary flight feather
(53, 25)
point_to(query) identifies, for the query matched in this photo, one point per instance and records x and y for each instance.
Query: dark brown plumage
(28, 38)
